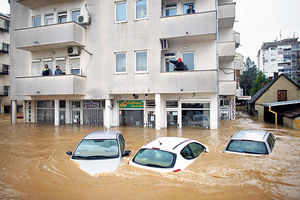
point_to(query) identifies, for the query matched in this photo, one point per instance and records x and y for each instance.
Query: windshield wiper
(153, 165)
(93, 157)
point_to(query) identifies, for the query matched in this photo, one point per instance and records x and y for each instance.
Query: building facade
(280, 56)
(4, 63)
(114, 58)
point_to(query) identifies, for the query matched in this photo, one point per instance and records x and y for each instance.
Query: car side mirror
(126, 153)
(69, 153)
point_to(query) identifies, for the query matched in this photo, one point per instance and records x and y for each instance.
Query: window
(282, 95)
(186, 153)
(271, 141)
(5, 47)
(155, 158)
(188, 60)
(171, 10)
(75, 65)
(141, 61)
(186, 6)
(122, 144)
(6, 90)
(49, 19)
(247, 146)
(61, 62)
(169, 67)
(45, 112)
(120, 62)
(36, 68)
(62, 17)
(121, 12)
(36, 21)
(6, 25)
(141, 9)
(75, 14)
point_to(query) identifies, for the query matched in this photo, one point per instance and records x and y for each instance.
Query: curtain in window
(141, 61)
(120, 62)
(141, 9)
(188, 60)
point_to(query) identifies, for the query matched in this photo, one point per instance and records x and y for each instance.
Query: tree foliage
(259, 82)
(249, 76)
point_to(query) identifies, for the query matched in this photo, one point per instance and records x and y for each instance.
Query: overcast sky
(257, 21)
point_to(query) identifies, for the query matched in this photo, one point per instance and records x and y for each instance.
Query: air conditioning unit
(164, 44)
(73, 51)
(84, 19)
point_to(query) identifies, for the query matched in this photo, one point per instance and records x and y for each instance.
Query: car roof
(255, 135)
(167, 143)
(102, 135)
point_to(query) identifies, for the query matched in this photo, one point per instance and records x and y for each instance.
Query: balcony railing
(197, 24)
(50, 85)
(36, 4)
(226, 15)
(50, 36)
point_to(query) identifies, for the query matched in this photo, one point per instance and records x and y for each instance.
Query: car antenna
(159, 142)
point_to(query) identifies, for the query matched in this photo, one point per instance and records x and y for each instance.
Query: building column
(158, 106)
(81, 113)
(25, 103)
(33, 111)
(179, 115)
(56, 112)
(67, 114)
(107, 113)
(14, 111)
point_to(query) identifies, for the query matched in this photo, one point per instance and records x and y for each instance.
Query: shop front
(131, 113)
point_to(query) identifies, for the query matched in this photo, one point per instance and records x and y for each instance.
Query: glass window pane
(75, 15)
(49, 19)
(195, 105)
(186, 153)
(170, 11)
(141, 9)
(195, 118)
(62, 65)
(141, 61)
(121, 62)
(197, 149)
(121, 12)
(37, 21)
(188, 60)
(246, 146)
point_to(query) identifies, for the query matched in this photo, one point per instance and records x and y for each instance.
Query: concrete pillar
(14, 111)
(33, 111)
(179, 116)
(107, 113)
(214, 112)
(68, 113)
(81, 113)
(158, 111)
(25, 115)
(56, 112)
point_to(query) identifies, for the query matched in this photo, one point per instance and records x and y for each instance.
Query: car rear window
(155, 158)
(247, 146)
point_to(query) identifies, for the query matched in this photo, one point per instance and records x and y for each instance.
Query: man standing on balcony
(46, 71)
(190, 10)
(58, 71)
(179, 66)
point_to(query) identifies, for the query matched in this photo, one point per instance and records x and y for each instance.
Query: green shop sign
(131, 104)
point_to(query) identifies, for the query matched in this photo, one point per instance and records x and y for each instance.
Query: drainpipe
(217, 54)
(275, 115)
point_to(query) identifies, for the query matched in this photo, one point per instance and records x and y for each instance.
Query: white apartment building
(4, 63)
(114, 58)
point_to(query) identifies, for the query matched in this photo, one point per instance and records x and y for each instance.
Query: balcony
(4, 69)
(40, 3)
(227, 88)
(226, 51)
(226, 15)
(50, 36)
(236, 36)
(199, 24)
(50, 85)
(166, 82)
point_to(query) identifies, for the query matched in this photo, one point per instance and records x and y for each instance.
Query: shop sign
(131, 104)
(91, 104)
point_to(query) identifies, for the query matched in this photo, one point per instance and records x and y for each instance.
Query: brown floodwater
(34, 165)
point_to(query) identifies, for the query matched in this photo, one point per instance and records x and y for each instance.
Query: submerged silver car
(100, 152)
(255, 142)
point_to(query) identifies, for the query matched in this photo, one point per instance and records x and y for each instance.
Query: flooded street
(34, 166)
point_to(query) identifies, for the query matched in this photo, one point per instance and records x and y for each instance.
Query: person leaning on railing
(179, 65)
(46, 71)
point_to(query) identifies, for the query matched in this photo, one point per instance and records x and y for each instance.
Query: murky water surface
(34, 166)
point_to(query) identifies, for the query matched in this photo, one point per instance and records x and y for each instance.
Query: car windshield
(96, 149)
(247, 146)
(155, 158)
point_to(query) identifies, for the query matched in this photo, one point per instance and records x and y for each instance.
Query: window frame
(189, 52)
(121, 52)
(34, 17)
(141, 51)
(60, 14)
(169, 7)
(75, 10)
(135, 11)
(45, 18)
(71, 58)
(116, 4)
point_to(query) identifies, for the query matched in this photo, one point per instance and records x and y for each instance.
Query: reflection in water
(34, 166)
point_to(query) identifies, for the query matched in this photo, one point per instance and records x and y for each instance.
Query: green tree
(259, 82)
(249, 76)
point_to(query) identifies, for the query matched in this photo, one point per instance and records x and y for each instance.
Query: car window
(96, 149)
(122, 143)
(155, 158)
(196, 149)
(247, 146)
(186, 153)
(271, 141)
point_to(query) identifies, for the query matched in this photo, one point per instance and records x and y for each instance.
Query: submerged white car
(168, 154)
(100, 152)
(254, 142)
